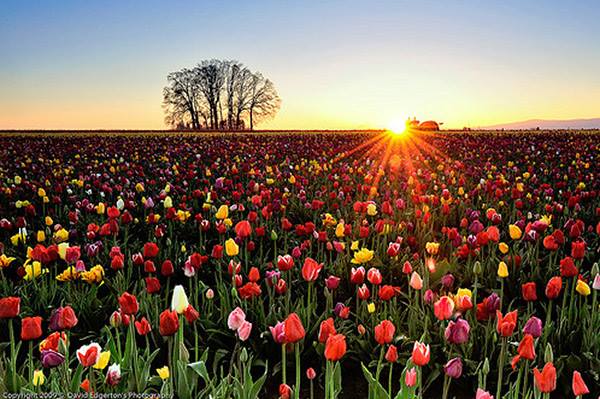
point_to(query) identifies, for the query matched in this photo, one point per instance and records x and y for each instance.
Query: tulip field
(301, 265)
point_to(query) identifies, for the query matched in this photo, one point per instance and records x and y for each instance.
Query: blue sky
(336, 64)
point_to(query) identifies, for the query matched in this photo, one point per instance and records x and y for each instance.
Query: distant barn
(414, 124)
(429, 125)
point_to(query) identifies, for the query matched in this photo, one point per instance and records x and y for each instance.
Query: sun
(397, 127)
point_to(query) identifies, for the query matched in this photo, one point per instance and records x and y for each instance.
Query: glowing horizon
(340, 65)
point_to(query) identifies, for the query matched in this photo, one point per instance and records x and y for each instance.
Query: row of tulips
(294, 266)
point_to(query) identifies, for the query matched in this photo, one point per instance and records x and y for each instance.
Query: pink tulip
(410, 378)
(236, 319)
(244, 330)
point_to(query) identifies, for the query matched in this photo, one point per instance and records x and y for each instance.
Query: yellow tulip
(514, 231)
(41, 236)
(163, 373)
(48, 220)
(41, 192)
(69, 274)
(5, 261)
(222, 212)
(502, 270)
(371, 307)
(354, 246)
(231, 248)
(62, 250)
(38, 378)
(362, 256)
(583, 288)
(432, 248)
(168, 203)
(94, 275)
(339, 230)
(102, 360)
(61, 235)
(371, 209)
(100, 208)
(33, 270)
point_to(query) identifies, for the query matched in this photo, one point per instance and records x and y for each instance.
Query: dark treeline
(218, 95)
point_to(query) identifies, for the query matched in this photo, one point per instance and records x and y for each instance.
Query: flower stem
(501, 367)
(283, 364)
(298, 367)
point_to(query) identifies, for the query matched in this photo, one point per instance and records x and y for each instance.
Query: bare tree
(180, 99)
(210, 79)
(218, 95)
(264, 101)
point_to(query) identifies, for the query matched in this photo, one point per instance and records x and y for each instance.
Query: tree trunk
(251, 124)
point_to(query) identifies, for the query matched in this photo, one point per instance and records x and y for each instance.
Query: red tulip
(506, 324)
(392, 354)
(384, 332)
(326, 329)
(66, 318)
(150, 250)
(311, 269)
(168, 323)
(31, 328)
(528, 290)
(578, 385)
(386, 292)
(554, 287)
(568, 268)
(142, 326)
(152, 285)
(9, 307)
(243, 229)
(293, 329)
(191, 314)
(357, 276)
(335, 347)
(526, 350)
(578, 249)
(128, 303)
(285, 262)
(443, 308)
(88, 354)
(545, 380)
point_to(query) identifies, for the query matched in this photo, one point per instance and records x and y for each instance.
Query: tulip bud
(548, 354)
(210, 294)
(310, 373)
(273, 235)
(486, 367)
(477, 268)
(115, 319)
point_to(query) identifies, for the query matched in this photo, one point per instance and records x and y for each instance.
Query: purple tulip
(533, 326)
(454, 368)
(52, 358)
(493, 303)
(457, 331)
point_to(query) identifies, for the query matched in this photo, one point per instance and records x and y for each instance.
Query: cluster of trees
(218, 95)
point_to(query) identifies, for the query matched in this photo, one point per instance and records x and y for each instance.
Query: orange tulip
(420, 354)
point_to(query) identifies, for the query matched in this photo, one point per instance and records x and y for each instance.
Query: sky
(336, 64)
